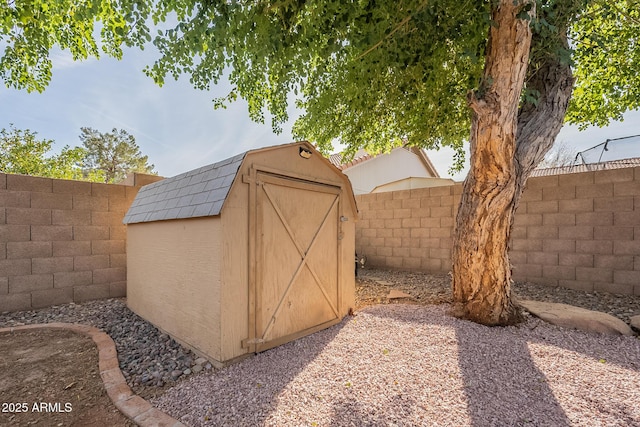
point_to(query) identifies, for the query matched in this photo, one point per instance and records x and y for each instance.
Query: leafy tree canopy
(113, 153)
(104, 157)
(606, 39)
(368, 73)
(371, 74)
(29, 29)
(22, 152)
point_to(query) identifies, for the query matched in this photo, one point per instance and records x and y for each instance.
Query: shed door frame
(258, 176)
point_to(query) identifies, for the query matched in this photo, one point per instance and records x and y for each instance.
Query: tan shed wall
(288, 160)
(316, 168)
(173, 279)
(348, 248)
(235, 291)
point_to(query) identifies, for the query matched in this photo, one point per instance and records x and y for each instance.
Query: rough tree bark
(539, 125)
(481, 270)
(537, 128)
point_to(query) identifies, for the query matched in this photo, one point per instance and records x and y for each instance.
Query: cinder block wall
(61, 241)
(408, 229)
(580, 231)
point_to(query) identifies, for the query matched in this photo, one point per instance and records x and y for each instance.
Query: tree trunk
(481, 270)
(539, 125)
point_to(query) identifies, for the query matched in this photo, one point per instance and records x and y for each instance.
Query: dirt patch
(51, 378)
(373, 287)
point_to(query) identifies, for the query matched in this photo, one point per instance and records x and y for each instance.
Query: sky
(176, 125)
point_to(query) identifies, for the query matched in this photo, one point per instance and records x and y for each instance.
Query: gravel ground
(392, 364)
(436, 289)
(414, 365)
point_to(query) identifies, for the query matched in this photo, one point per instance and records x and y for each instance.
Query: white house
(372, 173)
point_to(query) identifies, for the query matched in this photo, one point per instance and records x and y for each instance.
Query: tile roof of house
(612, 164)
(197, 193)
(362, 156)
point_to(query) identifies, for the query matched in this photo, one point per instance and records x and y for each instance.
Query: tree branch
(395, 30)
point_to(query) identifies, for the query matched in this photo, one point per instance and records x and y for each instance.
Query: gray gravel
(148, 358)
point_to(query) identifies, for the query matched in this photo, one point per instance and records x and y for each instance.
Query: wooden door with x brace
(297, 288)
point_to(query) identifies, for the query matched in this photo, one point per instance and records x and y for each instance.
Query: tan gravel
(373, 286)
(414, 365)
(407, 362)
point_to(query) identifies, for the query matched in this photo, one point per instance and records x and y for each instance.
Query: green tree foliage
(104, 158)
(369, 74)
(22, 152)
(113, 153)
(606, 42)
(29, 30)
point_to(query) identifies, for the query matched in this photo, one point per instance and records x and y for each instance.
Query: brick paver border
(132, 406)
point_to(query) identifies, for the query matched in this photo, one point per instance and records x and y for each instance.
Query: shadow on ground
(410, 365)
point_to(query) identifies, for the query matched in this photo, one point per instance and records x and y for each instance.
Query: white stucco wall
(385, 168)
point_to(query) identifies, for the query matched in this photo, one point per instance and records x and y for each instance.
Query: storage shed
(244, 254)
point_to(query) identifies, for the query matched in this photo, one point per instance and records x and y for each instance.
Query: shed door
(297, 258)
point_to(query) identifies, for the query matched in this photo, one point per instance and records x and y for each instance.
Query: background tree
(561, 154)
(22, 152)
(369, 74)
(113, 153)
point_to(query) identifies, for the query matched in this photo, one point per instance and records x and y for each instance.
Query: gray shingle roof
(197, 193)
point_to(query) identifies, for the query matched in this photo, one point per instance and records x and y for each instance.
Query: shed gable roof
(197, 193)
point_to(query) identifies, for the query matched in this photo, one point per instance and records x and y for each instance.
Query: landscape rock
(635, 322)
(396, 294)
(569, 316)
